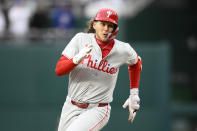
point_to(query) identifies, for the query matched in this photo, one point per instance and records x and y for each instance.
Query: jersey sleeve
(64, 66)
(132, 55)
(72, 47)
(134, 74)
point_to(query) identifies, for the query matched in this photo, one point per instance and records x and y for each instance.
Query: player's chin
(104, 38)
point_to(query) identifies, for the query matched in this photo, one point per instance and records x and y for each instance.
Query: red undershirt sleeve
(134, 74)
(64, 66)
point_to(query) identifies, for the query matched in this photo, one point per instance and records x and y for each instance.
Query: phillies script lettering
(103, 66)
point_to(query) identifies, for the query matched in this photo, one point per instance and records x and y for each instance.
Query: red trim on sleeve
(134, 74)
(64, 66)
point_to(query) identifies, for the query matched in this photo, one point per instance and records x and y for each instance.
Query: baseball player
(92, 60)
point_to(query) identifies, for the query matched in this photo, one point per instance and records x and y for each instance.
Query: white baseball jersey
(94, 79)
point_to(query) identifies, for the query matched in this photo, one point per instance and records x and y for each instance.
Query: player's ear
(94, 25)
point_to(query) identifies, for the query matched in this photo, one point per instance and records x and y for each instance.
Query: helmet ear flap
(116, 31)
(112, 35)
(115, 28)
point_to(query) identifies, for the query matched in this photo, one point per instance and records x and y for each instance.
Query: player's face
(103, 28)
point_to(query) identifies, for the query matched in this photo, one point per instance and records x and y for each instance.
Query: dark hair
(90, 28)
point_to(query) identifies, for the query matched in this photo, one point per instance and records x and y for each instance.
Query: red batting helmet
(107, 15)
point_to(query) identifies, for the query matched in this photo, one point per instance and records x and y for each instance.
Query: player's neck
(100, 42)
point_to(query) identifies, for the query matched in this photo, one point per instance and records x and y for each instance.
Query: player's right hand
(82, 54)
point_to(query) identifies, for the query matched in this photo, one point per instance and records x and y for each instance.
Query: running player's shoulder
(82, 34)
(81, 37)
(123, 45)
(84, 38)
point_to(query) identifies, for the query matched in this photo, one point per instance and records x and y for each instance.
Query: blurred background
(33, 33)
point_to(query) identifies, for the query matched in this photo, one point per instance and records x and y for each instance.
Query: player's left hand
(133, 103)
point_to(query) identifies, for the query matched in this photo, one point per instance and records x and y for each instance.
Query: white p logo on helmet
(109, 13)
(106, 14)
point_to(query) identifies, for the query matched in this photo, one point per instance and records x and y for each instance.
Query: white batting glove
(133, 103)
(82, 54)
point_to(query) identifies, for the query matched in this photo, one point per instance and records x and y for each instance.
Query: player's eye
(110, 26)
(102, 23)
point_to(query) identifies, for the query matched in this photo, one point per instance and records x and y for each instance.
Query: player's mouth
(105, 35)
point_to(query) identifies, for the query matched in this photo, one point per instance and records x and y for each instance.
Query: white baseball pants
(93, 118)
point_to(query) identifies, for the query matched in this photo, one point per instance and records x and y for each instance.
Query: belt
(85, 105)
